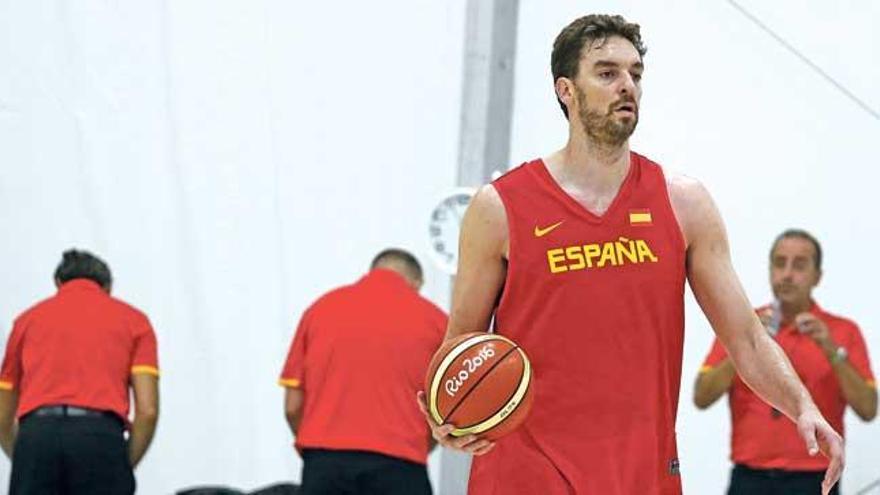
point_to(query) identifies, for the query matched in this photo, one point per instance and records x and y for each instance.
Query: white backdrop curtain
(233, 160)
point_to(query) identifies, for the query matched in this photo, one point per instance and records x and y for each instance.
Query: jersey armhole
(679, 232)
(508, 271)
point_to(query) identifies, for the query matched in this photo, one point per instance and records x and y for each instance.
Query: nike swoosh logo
(539, 232)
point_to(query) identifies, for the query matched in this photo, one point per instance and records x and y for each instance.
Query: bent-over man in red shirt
(358, 357)
(64, 387)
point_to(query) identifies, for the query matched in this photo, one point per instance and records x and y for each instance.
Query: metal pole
(484, 138)
(487, 90)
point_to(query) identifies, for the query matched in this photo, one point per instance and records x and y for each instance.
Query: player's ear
(565, 91)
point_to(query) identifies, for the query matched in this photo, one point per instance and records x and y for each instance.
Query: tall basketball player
(582, 258)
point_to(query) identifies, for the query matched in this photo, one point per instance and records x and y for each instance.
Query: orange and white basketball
(481, 383)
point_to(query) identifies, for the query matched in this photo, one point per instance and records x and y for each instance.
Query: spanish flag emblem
(640, 217)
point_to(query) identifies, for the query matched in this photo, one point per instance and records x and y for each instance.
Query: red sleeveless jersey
(597, 303)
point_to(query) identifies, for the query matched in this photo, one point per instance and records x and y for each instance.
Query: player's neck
(592, 165)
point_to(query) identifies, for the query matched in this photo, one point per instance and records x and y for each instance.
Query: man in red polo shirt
(69, 363)
(827, 352)
(359, 355)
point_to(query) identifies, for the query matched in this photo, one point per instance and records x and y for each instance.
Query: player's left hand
(821, 437)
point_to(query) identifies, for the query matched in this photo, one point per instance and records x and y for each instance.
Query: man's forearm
(764, 367)
(713, 383)
(142, 430)
(8, 423)
(7, 438)
(293, 422)
(859, 394)
(294, 402)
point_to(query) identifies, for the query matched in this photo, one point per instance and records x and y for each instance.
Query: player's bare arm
(713, 383)
(482, 264)
(482, 267)
(757, 358)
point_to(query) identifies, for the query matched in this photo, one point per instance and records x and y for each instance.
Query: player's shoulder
(516, 181)
(486, 212)
(682, 188)
(487, 195)
(516, 173)
(488, 199)
(685, 189)
(693, 205)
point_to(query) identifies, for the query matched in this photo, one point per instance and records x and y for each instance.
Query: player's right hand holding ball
(471, 444)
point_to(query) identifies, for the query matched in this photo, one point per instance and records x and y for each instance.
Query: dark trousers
(348, 472)
(748, 481)
(71, 456)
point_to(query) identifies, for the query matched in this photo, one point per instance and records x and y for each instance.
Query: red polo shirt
(360, 354)
(766, 440)
(78, 348)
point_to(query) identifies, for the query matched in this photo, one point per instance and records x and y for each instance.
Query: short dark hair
(571, 40)
(800, 234)
(77, 263)
(412, 265)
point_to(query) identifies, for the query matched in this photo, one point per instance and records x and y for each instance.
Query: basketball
(481, 383)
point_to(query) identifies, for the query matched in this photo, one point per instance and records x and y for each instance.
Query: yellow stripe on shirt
(289, 382)
(144, 370)
(4, 385)
(706, 368)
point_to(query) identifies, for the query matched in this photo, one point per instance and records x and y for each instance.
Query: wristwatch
(839, 355)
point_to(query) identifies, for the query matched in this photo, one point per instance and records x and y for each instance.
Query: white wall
(231, 161)
(776, 145)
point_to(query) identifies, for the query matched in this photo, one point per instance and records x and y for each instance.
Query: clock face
(444, 226)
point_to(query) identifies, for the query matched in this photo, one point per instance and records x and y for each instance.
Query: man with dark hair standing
(70, 362)
(827, 352)
(581, 257)
(358, 356)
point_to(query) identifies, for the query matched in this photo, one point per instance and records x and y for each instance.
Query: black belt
(775, 472)
(71, 412)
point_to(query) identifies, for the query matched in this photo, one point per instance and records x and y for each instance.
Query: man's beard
(603, 128)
